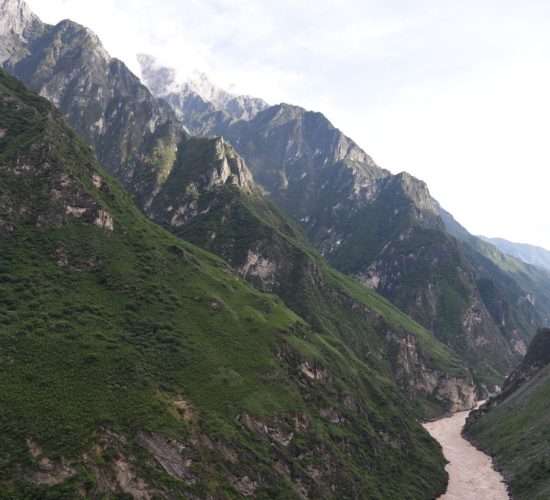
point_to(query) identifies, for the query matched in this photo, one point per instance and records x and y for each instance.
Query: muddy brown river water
(471, 472)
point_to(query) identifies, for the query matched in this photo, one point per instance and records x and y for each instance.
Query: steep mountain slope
(515, 277)
(210, 199)
(191, 185)
(388, 232)
(530, 254)
(514, 427)
(136, 364)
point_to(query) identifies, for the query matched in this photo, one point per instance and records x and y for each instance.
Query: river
(471, 472)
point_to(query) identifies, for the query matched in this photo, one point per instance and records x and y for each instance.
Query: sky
(456, 93)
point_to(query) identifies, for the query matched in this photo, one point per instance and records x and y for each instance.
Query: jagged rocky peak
(133, 133)
(230, 167)
(163, 82)
(417, 191)
(83, 36)
(293, 133)
(16, 18)
(20, 29)
(213, 163)
(60, 43)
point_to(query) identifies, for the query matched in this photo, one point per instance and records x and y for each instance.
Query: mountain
(388, 232)
(515, 276)
(233, 220)
(529, 254)
(513, 427)
(312, 171)
(197, 99)
(136, 365)
(134, 135)
(201, 190)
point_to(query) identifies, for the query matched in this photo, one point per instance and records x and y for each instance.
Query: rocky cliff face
(37, 190)
(17, 19)
(203, 167)
(18, 25)
(314, 172)
(210, 199)
(301, 160)
(416, 377)
(536, 359)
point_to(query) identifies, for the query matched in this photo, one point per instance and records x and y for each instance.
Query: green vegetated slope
(228, 215)
(136, 364)
(515, 427)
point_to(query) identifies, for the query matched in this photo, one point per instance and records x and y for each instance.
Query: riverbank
(472, 475)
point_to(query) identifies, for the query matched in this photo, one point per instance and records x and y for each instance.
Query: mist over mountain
(197, 98)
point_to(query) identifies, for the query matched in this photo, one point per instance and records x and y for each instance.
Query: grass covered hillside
(515, 427)
(209, 198)
(134, 365)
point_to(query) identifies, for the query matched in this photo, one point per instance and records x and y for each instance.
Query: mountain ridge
(360, 218)
(530, 254)
(314, 173)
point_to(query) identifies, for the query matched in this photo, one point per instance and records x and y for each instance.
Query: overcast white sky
(456, 93)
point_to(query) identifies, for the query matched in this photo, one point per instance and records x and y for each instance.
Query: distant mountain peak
(163, 82)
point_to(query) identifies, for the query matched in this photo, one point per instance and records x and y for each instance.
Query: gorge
(209, 297)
